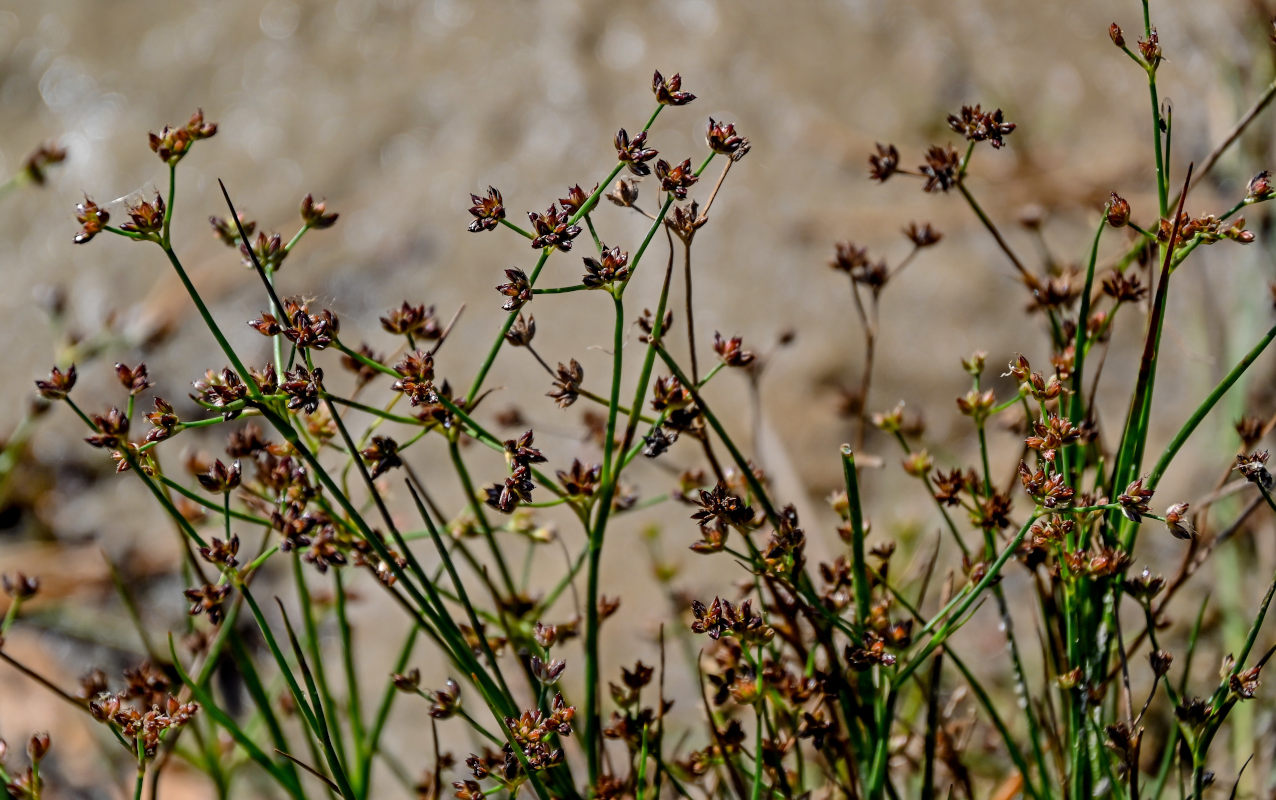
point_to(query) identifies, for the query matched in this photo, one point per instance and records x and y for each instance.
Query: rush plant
(846, 678)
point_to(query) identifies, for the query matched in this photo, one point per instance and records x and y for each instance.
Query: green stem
(611, 476)
(1075, 410)
(862, 597)
(952, 612)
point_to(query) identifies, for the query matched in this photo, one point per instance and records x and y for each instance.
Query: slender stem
(1134, 435)
(1162, 180)
(141, 770)
(495, 349)
(1028, 279)
(212, 326)
(690, 307)
(521, 232)
(476, 508)
(576, 287)
(1075, 410)
(611, 476)
(952, 612)
(353, 701)
(373, 740)
(858, 568)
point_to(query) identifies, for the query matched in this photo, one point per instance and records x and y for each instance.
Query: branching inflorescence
(826, 679)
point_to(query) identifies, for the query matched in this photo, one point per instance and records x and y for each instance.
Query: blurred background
(394, 111)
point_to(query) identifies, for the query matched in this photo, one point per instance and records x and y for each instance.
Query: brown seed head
(634, 153)
(1178, 523)
(577, 198)
(611, 266)
(58, 385)
(38, 746)
(41, 159)
(567, 382)
(1150, 48)
(1260, 188)
(1134, 502)
(980, 126)
(316, 215)
(20, 586)
(884, 163)
(676, 179)
(1254, 468)
(722, 139)
(145, 217)
(940, 169)
(732, 351)
(625, 193)
(923, 235)
(518, 289)
(1118, 211)
(92, 219)
(669, 92)
(552, 229)
(227, 231)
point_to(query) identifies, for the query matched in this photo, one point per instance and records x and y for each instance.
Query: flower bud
(1118, 211)
(1118, 38)
(1176, 520)
(1260, 188)
(37, 746)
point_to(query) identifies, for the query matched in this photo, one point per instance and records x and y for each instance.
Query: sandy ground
(394, 111)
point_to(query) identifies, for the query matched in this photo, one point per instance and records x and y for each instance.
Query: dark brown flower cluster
(315, 214)
(173, 143)
(731, 351)
(417, 322)
(518, 289)
(553, 229)
(40, 160)
(1134, 501)
(581, 480)
(268, 250)
(221, 390)
(143, 713)
(719, 505)
(611, 266)
(634, 154)
(92, 219)
(1254, 468)
(722, 617)
(884, 163)
(722, 139)
(676, 179)
(578, 201)
(487, 211)
(536, 732)
(978, 125)
(304, 388)
(567, 382)
(1049, 436)
(518, 486)
(1049, 490)
(307, 330)
(58, 385)
(146, 218)
(209, 600)
(669, 92)
(942, 168)
(417, 383)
